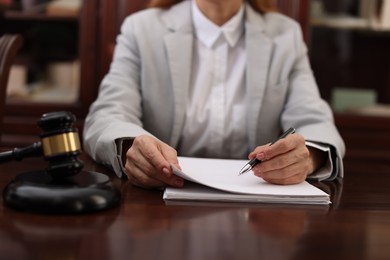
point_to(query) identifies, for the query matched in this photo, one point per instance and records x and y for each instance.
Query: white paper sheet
(222, 175)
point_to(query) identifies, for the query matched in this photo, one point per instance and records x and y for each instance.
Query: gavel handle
(17, 154)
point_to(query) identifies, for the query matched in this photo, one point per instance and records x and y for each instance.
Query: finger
(292, 174)
(283, 146)
(170, 156)
(138, 178)
(137, 171)
(151, 158)
(297, 160)
(145, 155)
(258, 150)
(278, 148)
(275, 173)
(136, 159)
(294, 179)
(277, 163)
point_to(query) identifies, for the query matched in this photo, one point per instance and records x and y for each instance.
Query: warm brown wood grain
(355, 226)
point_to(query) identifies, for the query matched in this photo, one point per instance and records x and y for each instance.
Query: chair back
(9, 47)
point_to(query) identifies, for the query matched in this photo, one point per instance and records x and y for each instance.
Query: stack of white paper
(218, 180)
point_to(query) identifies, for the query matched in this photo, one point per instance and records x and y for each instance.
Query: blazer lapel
(179, 46)
(259, 48)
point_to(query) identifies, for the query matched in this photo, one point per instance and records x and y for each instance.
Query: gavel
(58, 189)
(59, 145)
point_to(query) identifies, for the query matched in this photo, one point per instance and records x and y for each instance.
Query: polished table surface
(355, 226)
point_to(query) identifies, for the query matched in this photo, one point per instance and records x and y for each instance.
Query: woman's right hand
(148, 163)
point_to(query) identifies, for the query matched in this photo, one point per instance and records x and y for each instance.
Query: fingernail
(260, 156)
(179, 182)
(166, 172)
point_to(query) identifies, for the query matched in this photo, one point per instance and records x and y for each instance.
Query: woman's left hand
(288, 161)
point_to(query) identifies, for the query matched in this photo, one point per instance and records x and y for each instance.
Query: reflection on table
(356, 225)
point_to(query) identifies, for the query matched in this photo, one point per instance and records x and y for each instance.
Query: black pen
(252, 163)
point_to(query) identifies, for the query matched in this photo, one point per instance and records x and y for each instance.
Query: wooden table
(355, 226)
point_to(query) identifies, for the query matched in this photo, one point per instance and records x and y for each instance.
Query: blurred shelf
(52, 38)
(346, 22)
(38, 16)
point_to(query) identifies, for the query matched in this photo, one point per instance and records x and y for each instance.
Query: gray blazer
(145, 89)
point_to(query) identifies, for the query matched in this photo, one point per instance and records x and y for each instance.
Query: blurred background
(68, 46)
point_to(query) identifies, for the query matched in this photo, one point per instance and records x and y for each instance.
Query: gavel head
(60, 144)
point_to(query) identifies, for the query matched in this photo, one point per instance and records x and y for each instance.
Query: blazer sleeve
(116, 113)
(309, 113)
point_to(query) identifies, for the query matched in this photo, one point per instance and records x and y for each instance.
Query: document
(218, 180)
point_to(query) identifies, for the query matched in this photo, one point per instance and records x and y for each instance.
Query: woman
(211, 78)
